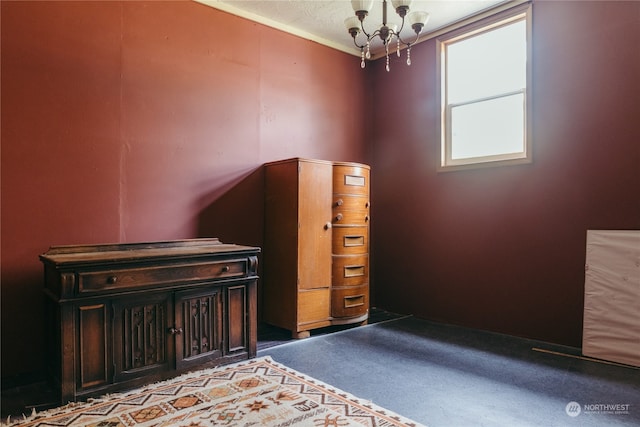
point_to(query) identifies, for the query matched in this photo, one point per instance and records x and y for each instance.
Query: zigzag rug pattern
(258, 392)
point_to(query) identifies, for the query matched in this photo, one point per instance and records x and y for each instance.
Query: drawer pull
(366, 218)
(112, 280)
(353, 241)
(327, 226)
(225, 269)
(175, 331)
(353, 270)
(353, 301)
(339, 202)
(367, 204)
(339, 217)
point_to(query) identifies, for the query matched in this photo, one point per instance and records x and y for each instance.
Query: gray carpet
(442, 375)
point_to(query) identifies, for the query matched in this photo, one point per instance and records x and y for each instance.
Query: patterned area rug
(258, 392)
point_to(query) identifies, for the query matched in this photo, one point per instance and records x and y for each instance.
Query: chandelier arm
(373, 35)
(400, 30)
(410, 43)
(357, 45)
(369, 37)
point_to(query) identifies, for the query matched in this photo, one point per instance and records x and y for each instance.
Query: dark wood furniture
(122, 315)
(316, 246)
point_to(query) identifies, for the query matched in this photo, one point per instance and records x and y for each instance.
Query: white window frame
(446, 162)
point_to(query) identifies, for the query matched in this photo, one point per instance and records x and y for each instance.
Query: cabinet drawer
(350, 217)
(348, 270)
(350, 179)
(350, 240)
(152, 276)
(344, 202)
(313, 305)
(348, 302)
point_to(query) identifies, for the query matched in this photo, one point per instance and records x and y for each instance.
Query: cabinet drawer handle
(353, 301)
(327, 226)
(225, 268)
(112, 280)
(338, 217)
(366, 218)
(175, 331)
(339, 202)
(353, 241)
(353, 270)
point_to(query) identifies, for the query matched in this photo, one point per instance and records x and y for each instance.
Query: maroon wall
(132, 121)
(129, 121)
(503, 248)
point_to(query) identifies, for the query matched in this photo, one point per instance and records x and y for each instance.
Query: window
(485, 75)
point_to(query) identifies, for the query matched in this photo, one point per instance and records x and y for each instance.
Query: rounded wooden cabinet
(316, 247)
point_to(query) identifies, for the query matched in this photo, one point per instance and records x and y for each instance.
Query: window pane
(488, 128)
(487, 64)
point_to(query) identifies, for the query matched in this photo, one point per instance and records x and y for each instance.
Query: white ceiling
(323, 20)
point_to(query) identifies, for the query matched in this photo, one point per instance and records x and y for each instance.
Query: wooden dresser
(122, 315)
(350, 241)
(316, 246)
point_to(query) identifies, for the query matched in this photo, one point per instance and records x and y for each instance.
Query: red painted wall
(137, 121)
(503, 249)
(129, 121)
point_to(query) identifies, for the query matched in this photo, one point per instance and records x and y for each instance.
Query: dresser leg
(300, 335)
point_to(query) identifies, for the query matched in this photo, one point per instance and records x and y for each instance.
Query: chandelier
(386, 32)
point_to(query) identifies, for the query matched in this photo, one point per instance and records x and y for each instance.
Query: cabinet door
(238, 313)
(314, 226)
(198, 327)
(94, 363)
(140, 339)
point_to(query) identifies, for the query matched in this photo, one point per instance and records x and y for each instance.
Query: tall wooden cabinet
(123, 315)
(316, 246)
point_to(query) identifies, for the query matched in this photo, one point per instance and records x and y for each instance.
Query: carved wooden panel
(144, 336)
(198, 326)
(142, 328)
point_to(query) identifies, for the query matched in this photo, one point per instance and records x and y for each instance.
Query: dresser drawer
(345, 202)
(350, 240)
(347, 302)
(350, 217)
(350, 179)
(121, 279)
(349, 270)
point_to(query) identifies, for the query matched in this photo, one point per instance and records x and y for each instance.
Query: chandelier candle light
(386, 32)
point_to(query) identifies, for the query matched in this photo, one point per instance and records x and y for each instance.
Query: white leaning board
(611, 327)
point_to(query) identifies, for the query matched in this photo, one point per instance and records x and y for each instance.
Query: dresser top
(84, 254)
(326, 162)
